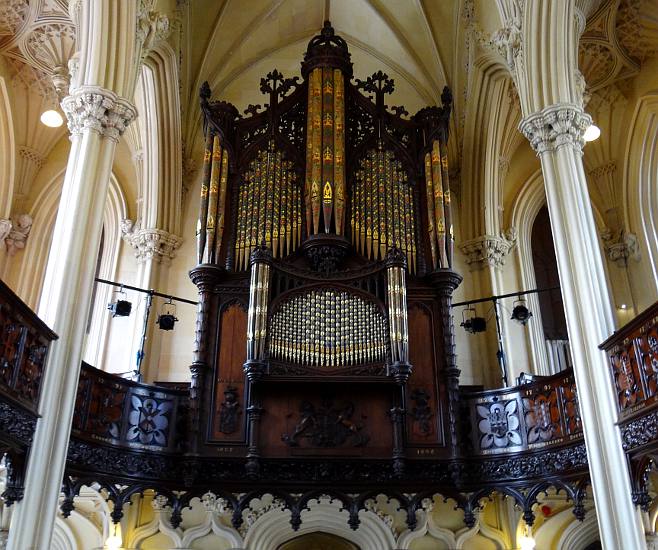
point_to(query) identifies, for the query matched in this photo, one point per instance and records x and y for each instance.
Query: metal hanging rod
(510, 295)
(146, 291)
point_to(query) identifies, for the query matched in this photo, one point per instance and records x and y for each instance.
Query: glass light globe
(113, 542)
(52, 119)
(593, 132)
(526, 543)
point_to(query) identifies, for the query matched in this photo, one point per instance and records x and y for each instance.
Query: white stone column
(110, 36)
(556, 135)
(97, 118)
(539, 41)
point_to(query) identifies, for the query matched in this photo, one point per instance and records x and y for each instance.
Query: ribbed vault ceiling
(236, 42)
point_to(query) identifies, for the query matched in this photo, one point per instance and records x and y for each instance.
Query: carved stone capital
(99, 110)
(555, 126)
(151, 244)
(488, 250)
(620, 246)
(19, 230)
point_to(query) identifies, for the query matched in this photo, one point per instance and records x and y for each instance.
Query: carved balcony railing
(543, 413)
(120, 412)
(24, 343)
(633, 359)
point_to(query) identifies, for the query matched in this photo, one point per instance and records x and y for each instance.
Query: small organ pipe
(327, 328)
(448, 212)
(205, 183)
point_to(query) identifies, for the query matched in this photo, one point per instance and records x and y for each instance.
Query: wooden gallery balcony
(129, 437)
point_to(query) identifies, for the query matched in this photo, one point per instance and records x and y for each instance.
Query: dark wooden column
(445, 282)
(205, 277)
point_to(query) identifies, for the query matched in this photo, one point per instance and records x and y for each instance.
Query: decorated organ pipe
(210, 227)
(438, 206)
(383, 211)
(328, 327)
(259, 287)
(324, 190)
(397, 306)
(268, 209)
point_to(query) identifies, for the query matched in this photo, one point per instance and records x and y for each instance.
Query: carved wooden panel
(543, 413)
(229, 405)
(24, 342)
(633, 360)
(423, 415)
(312, 420)
(114, 410)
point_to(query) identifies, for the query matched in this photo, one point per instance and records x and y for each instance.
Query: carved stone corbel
(620, 246)
(18, 233)
(488, 250)
(150, 244)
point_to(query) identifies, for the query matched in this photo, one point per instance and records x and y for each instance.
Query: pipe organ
(325, 255)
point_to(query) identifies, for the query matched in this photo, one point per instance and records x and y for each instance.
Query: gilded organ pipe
(328, 328)
(450, 237)
(203, 209)
(210, 227)
(397, 313)
(383, 212)
(268, 209)
(438, 206)
(324, 190)
(258, 307)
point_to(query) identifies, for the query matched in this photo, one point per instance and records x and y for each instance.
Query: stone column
(555, 133)
(539, 42)
(110, 36)
(67, 292)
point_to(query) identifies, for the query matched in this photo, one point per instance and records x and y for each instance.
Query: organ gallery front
(325, 253)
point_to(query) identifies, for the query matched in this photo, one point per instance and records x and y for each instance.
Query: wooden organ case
(324, 330)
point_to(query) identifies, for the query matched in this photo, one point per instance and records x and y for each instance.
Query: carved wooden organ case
(324, 276)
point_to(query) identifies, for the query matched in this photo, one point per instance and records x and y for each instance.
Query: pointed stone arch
(641, 195)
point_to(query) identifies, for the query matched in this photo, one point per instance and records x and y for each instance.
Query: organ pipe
(438, 206)
(397, 313)
(324, 190)
(383, 213)
(268, 207)
(258, 305)
(210, 227)
(328, 328)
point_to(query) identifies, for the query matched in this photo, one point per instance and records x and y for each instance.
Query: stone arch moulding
(7, 146)
(579, 534)
(529, 201)
(43, 213)
(273, 528)
(641, 191)
(527, 205)
(114, 212)
(160, 134)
